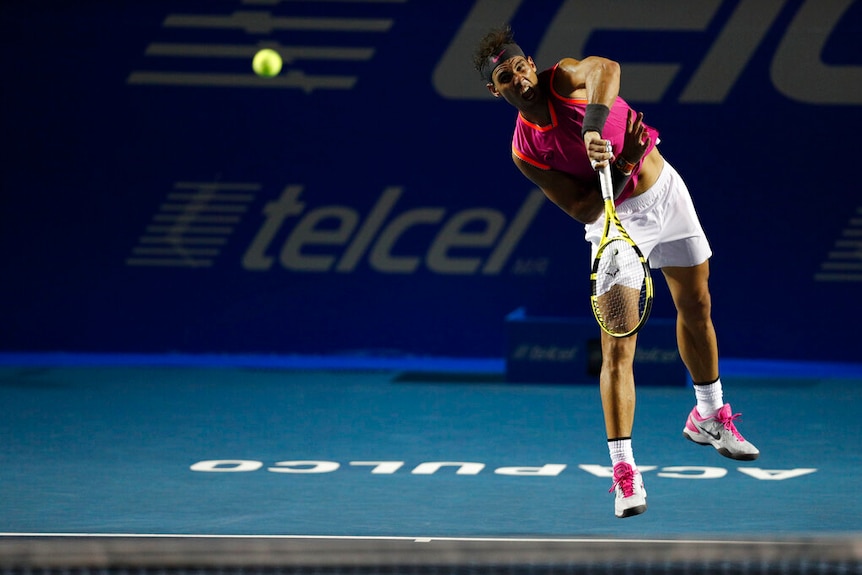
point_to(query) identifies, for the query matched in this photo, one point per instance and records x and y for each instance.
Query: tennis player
(570, 121)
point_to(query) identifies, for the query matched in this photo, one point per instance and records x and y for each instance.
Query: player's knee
(617, 353)
(694, 305)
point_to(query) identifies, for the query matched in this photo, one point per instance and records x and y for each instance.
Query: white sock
(621, 450)
(709, 398)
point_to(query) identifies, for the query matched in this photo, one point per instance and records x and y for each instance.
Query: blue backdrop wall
(157, 196)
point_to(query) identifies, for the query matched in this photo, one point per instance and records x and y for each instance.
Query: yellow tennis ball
(266, 63)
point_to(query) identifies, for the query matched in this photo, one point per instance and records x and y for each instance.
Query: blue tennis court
(285, 449)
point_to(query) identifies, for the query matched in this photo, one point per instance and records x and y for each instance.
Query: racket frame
(607, 187)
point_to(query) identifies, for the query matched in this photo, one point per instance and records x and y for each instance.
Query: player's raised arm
(596, 80)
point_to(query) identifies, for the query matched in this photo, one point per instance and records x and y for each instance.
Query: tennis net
(205, 555)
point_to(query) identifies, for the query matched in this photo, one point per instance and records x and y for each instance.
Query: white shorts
(663, 223)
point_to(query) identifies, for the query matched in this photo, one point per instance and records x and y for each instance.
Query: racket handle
(606, 182)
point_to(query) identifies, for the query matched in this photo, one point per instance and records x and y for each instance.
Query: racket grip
(606, 182)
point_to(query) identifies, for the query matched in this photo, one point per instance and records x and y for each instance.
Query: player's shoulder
(567, 76)
(570, 67)
(578, 68)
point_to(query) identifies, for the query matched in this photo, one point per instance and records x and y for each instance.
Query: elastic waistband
(649, 197)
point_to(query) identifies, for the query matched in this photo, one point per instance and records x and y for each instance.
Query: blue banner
(158, 196)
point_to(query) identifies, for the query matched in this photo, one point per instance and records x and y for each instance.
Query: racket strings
(621, 287)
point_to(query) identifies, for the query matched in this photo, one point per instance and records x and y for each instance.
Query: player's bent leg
(698, 345)
(698, 348)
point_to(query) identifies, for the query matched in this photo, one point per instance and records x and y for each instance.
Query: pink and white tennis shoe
(630, 493)
(720, 432)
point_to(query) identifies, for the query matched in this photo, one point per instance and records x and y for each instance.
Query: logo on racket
(613, 268)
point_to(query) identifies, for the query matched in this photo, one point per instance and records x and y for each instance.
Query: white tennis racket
(622, 289)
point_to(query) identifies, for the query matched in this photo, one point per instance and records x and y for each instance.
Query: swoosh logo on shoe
(715, 436)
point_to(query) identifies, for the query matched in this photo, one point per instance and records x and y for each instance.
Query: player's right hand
(599, 151)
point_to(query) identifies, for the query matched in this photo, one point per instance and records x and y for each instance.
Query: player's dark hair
(491, 44)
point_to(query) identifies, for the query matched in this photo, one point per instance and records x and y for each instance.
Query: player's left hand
(636, 140)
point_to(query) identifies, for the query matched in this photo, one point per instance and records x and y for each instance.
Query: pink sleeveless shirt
(559, 146)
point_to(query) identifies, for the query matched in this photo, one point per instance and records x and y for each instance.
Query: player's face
(516, 81)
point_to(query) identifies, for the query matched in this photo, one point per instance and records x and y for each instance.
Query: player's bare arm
(580, 200)
(595, 79)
